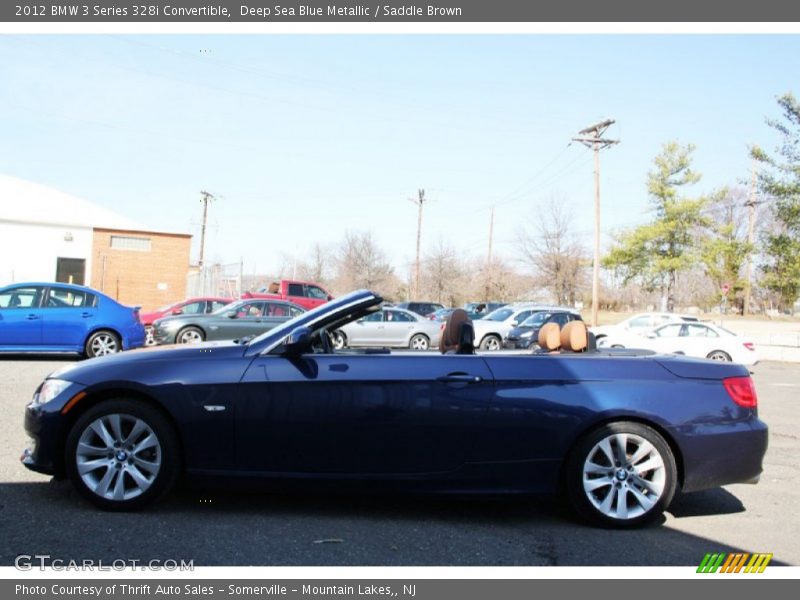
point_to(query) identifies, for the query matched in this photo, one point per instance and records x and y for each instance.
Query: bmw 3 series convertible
(617, 433)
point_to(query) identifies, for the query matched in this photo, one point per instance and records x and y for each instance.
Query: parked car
(302, 293)
(494, 327)
(621, 435)
(701, 340)
(236, 320)
(442, 314)
(421, 308)
(483, 308)
(60, 317)
(389, 328)
(190, 306)
(526, 334)
(641, 323)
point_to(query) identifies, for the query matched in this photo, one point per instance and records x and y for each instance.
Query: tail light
(750, 346)
(742, 391)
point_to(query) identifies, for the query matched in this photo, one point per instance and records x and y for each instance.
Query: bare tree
(443, 275)
(362, 264)
(550, 249)
(316, 266)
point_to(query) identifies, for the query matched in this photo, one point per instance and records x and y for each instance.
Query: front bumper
(162, 337)
(45, 452)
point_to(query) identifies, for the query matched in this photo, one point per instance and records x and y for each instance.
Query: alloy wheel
(118, 457)
(104, 344)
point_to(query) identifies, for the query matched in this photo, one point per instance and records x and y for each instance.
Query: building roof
(23, 201)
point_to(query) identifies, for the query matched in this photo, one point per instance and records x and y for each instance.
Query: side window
(316, 292)
(561, 319)
(523, 315)
(700, 331)
(398, 316)
(215, 305)
(669, 330)
(28, 297)
(643, 321)
(274, 309)
(294, 311)
(66, 298)
(295, 289)
(194, 308)
(375, 317)
(251, 309)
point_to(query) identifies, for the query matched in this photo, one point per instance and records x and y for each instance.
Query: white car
(389, 328)
(491, 330)
(699, 340)
(640, 324)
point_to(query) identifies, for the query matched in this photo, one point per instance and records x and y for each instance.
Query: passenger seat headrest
(575, 336)
(549, 338)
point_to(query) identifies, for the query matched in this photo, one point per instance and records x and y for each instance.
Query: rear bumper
(715, 455)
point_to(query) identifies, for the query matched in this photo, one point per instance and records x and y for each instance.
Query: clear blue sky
(306, 136)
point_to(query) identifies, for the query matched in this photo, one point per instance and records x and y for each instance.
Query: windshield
(535, 320)
(232, 306)
(167, 307)
(501, 314)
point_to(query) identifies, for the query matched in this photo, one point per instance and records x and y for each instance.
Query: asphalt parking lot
(269, 527)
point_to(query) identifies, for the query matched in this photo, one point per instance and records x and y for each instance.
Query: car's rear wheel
(190, 335)
(621, 474)
(122, 454)
(102, 343)
(720, 356)
(491, 342)
(149, 335)
(419, 342)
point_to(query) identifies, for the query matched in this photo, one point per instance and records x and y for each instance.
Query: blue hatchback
(59, 317)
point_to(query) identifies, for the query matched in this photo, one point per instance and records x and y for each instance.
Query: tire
(102, 343)
(339, 340)
(190, 335)
(419, 342)
(491, 342)
(595, 485)
(102, 460)
(719, 355)
(617, 346)
(149, 335)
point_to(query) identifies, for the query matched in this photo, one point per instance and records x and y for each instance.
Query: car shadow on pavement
(717, 501)
(71, 357)
(274, 527)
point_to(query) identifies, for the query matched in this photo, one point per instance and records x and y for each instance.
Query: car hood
(91, 370)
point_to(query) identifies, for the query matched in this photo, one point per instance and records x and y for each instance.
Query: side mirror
(330, 297)
(177, 311)
(231, 314)
(514, 323)
(651, 336)
(298, 341)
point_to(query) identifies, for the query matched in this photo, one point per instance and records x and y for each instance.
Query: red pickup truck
(303, 293)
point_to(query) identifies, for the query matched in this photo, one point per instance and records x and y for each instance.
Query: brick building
(46, 235)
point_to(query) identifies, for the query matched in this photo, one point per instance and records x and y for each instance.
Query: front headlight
(526, 334)
(49, 390)
(166, 325)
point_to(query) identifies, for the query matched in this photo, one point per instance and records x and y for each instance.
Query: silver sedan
(389, 328)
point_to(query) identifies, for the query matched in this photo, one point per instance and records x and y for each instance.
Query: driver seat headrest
(549, 337)
(458, 335)
(574, 336)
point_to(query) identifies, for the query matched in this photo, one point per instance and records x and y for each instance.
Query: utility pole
(592, 137)
(751, 217)
(419, 201)
(206, 198)
(489, 259)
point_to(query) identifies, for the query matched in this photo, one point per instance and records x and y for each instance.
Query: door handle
(86, 315)
(32, 317)
(459, 378)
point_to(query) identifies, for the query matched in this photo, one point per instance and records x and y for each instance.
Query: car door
(397, 327)
(21, 316)
(366, 331)
(666, 339)
(378, 414)
(296, 293)
(698, 340)
(234, 323)
(67, 317)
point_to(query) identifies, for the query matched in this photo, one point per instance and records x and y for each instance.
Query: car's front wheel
(102, 343)
(720, 356)
(419, 342)
(122, 454)
(190, 335)
(491, 342)
(339, 340)
(621, 474)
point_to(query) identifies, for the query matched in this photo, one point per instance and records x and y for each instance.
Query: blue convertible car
(618, 434)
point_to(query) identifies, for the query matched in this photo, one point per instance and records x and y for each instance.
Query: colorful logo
(734, 563)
